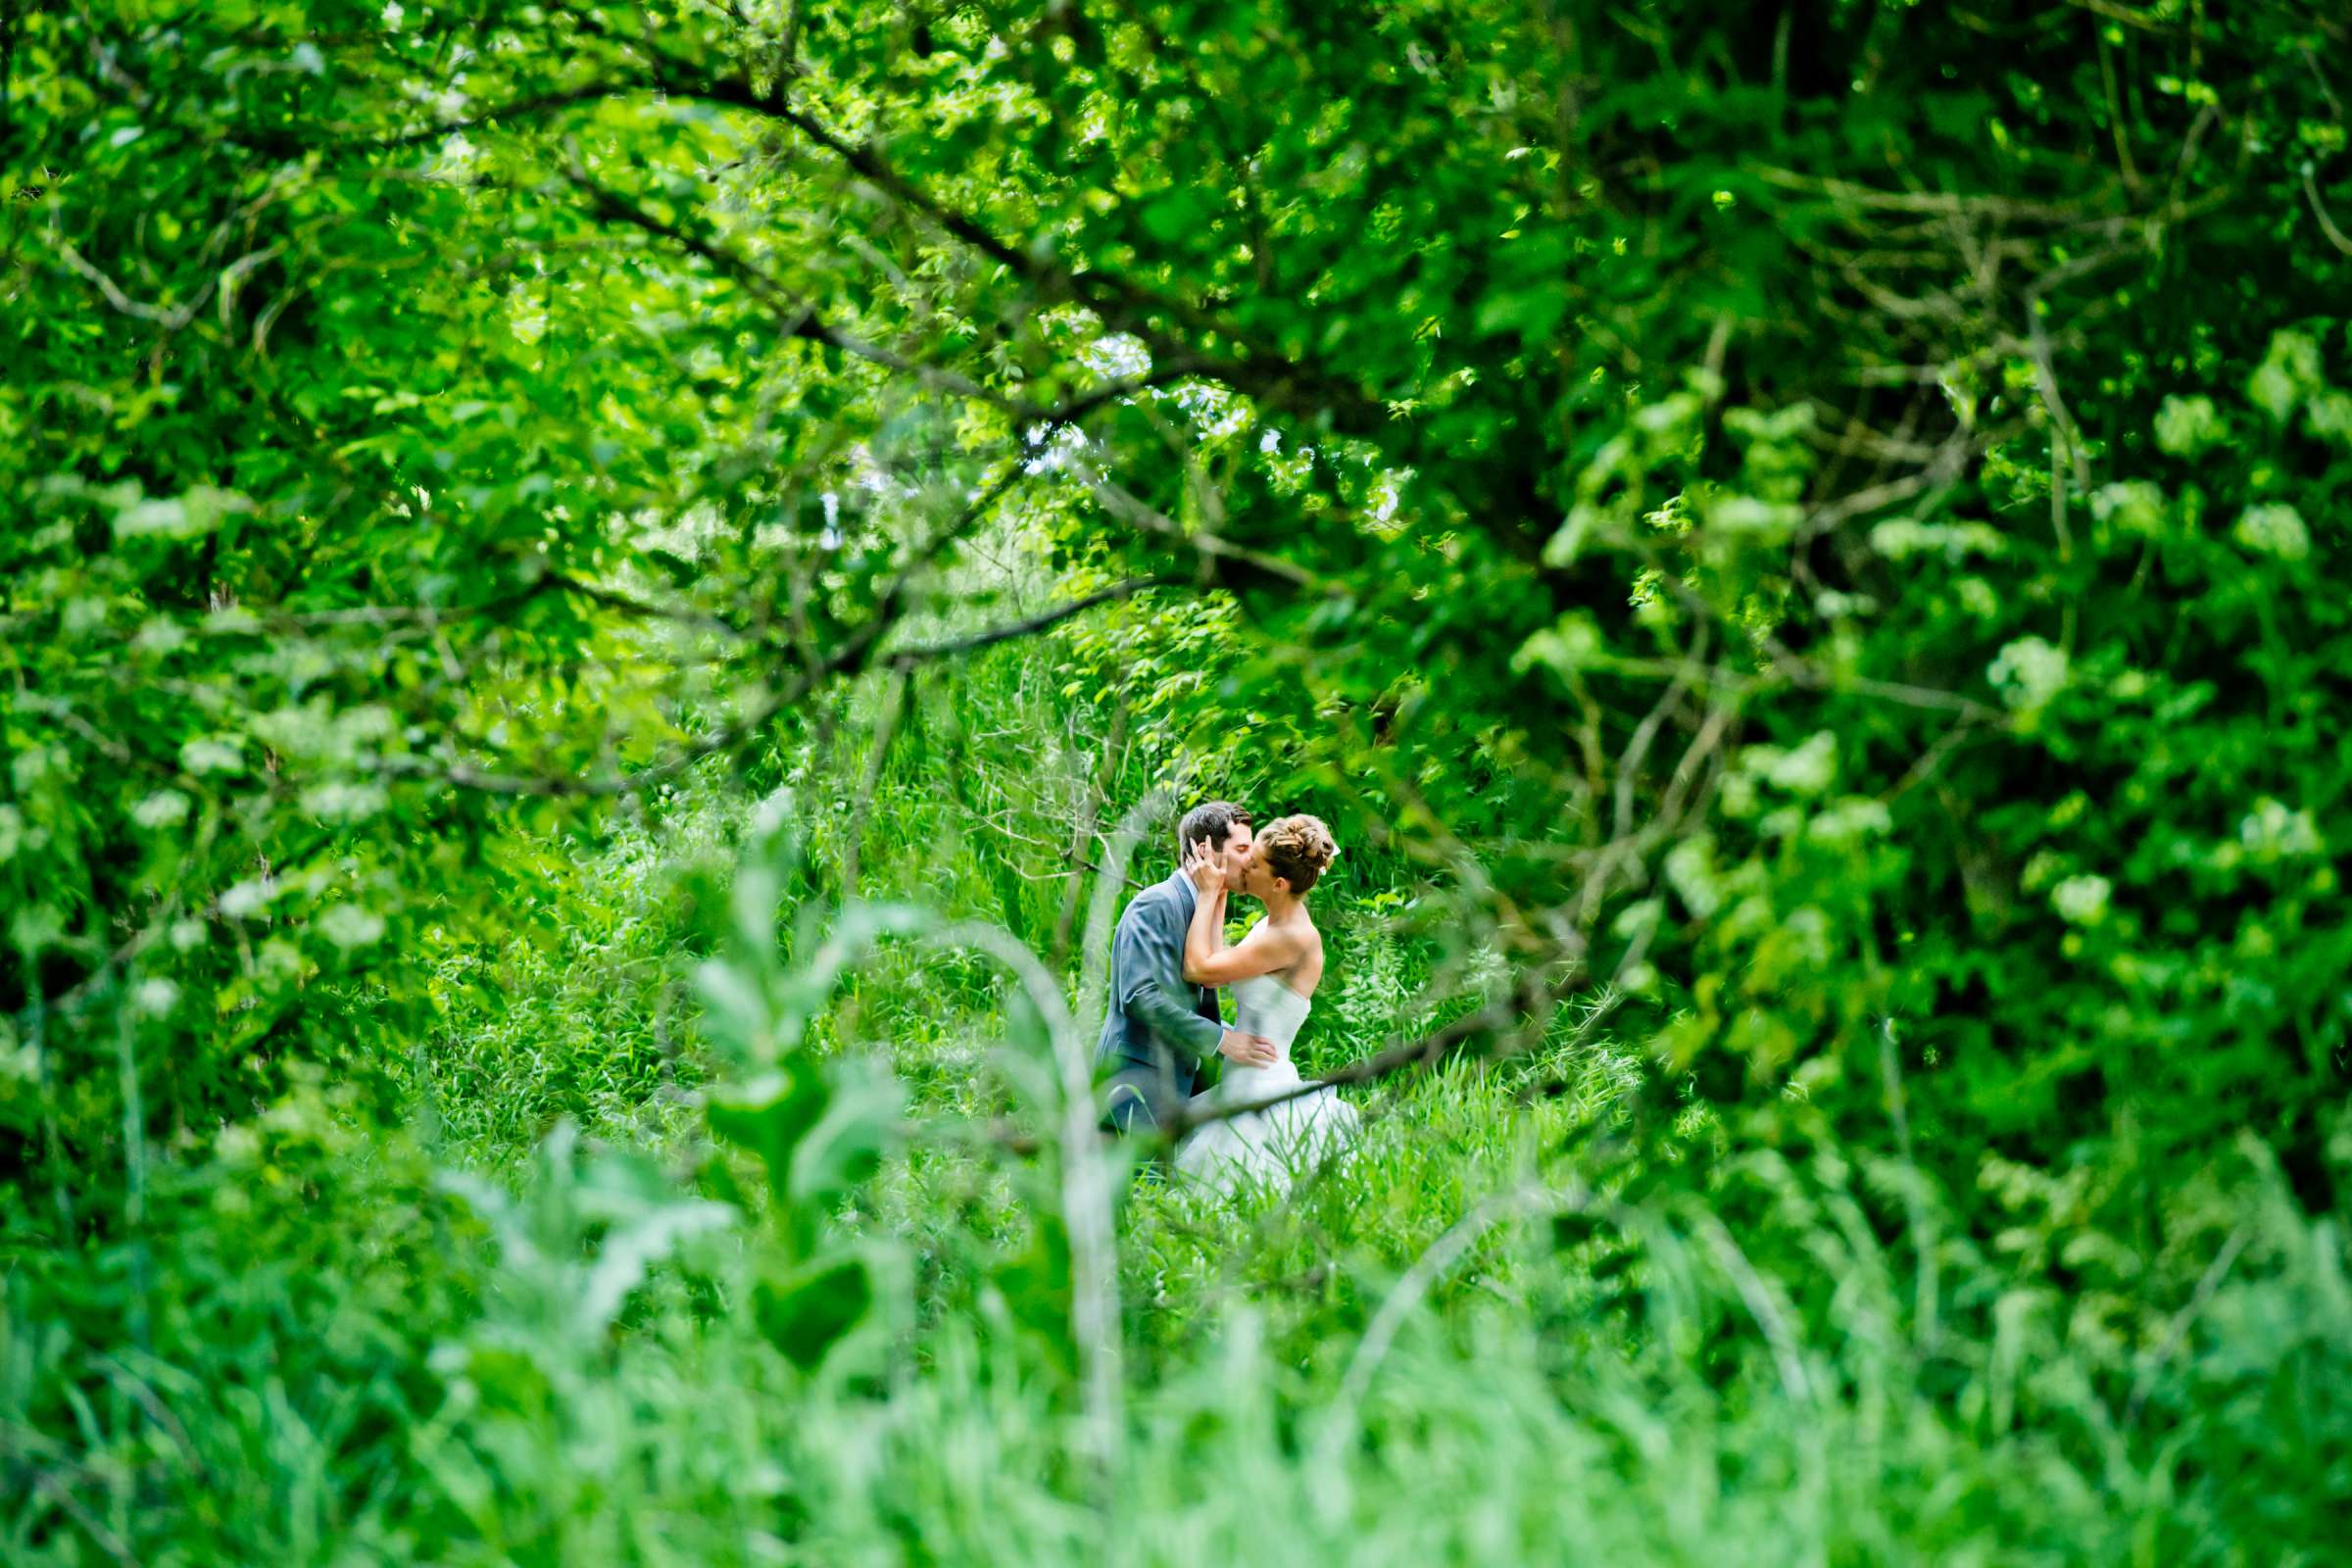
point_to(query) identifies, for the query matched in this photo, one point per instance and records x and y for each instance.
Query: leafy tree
(1813, 531)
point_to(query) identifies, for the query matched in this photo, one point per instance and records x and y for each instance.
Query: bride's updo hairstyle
(1297, 849)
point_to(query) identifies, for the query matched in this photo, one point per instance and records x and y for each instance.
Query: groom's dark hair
(1213, 821)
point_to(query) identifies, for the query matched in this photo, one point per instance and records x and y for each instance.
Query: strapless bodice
(1263, 1006)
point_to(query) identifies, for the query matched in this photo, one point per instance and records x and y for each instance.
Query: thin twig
(2207, 1284)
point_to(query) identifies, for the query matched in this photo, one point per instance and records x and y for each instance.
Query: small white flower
(1691, 872)
(19, 1061)
(1898, 538)
(2081, 900)
(347, 926)
(341, 801)
(1770, 519)
(1853, 818)
(2134, 506)
(1637, 917)
(2288, 371)
(163, 516)
(155, 998)
(210, 753)
(2186, 426)
(1571, 644)
(244, 900)
(2273, 529)
(32, 765)
(160, 635)
(163, 809)
(2272, 832)
(2330, 415)
(2029, 672)
(370, 723)
(1806, 770)
(36, 926)
(2273, 391)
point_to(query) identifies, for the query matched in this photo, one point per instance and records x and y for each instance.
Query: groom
(1160, 1030)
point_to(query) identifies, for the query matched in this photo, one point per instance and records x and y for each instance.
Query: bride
(1273, 973)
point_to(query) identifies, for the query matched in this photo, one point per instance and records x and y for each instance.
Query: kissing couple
(1165, 1027)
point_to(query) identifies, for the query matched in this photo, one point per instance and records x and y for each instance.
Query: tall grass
(369, 1367)
(517, 1326)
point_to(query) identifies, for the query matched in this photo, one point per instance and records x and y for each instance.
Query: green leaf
(1174, 215)
(844, 1146)
(770, 1117)
(809, 1311)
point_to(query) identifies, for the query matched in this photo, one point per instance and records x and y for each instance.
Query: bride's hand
(1202, 866)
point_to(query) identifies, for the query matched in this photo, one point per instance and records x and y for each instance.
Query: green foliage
(563, 553)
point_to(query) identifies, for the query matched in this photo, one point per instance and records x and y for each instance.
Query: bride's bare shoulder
(1307, 973)
(1310, 936)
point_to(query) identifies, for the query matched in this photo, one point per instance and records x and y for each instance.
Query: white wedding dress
(1285, 1141)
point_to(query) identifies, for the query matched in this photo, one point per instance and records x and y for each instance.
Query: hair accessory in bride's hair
(1298, 849)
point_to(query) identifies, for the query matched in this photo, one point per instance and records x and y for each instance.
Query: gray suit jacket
(1159, 1029)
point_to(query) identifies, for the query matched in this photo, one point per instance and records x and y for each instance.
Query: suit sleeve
(1149, 957)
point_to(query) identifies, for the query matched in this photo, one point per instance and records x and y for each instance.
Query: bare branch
(1508, 1013)
(2319, 209)
(906, 658)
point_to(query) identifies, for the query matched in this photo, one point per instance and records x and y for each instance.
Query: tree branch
(855, 654)
(1533, 995)
(907, 658)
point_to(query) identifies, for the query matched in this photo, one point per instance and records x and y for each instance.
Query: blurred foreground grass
(1477, 1340)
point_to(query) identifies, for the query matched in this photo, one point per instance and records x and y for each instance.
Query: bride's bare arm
(1207, 960)
(1262, 951)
